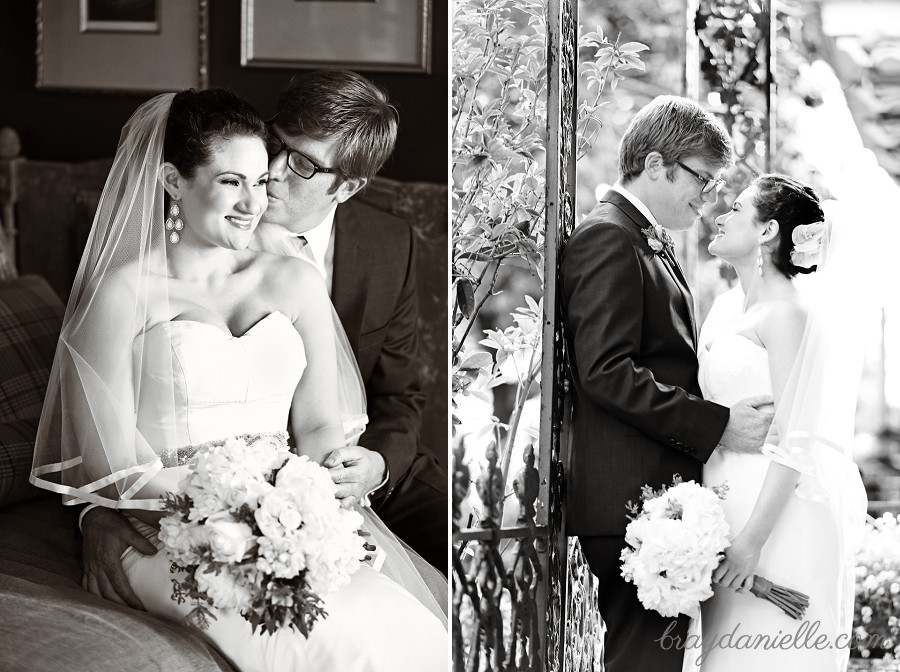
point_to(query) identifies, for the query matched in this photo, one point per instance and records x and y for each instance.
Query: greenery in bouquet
(876, 618)
(257, 529)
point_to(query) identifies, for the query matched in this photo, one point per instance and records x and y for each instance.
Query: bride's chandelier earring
(759, 259)
(174, 222)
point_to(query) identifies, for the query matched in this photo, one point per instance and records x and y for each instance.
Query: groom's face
(296, 203)
(682, 196)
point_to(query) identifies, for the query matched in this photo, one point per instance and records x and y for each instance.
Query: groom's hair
(341, 104)
(675, 127)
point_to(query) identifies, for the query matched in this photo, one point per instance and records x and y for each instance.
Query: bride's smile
(223, 200)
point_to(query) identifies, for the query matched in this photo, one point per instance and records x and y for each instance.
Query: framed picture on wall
(119, 16)
(96, 45)
(390, 35)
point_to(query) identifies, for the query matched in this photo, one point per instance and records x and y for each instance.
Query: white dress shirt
(636, 202)
(320, 240)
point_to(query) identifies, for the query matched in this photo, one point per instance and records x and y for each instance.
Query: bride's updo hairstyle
(791, 204)
(200, 120)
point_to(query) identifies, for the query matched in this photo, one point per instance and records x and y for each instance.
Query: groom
(333, 131)
(339, 129)
(638, 415)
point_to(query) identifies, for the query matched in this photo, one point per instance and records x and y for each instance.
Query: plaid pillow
(16, 451)
(30, 320)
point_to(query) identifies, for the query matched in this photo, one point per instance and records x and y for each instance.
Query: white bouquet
(258, 530)
(677, 537)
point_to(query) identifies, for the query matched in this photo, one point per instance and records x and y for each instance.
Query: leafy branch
(499, 126)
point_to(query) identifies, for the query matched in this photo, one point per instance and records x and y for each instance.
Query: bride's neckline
(222, 329)
(733, 334)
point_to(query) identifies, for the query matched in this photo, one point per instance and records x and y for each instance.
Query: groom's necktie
(302, 249)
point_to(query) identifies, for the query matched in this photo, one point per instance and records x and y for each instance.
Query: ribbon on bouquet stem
(791, 602)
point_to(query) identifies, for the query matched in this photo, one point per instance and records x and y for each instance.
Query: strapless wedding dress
(226, 386)
(742, 633)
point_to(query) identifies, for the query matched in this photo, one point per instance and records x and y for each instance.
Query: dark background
(80, 126)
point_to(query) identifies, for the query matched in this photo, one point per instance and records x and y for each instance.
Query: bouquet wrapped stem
(791, 602)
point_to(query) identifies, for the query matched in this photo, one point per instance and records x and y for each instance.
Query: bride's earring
(759, 259)
(174, 223)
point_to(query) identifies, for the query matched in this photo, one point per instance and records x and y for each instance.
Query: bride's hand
(736, 569)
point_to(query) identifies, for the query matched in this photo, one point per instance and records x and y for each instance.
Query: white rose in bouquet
(229, 540)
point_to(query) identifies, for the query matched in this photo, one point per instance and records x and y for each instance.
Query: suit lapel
(678, 276)
(349, 286)
(669, 262)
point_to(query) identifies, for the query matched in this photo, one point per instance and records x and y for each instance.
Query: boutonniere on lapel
(659, 239)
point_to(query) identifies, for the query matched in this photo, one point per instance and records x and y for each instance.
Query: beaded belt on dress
(178, 457)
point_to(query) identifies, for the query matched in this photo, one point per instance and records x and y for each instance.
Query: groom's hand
(748, 424)
(356, 471)
(107, 535)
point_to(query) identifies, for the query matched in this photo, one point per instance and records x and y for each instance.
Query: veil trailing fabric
(816, 415)
(89, 447)
(93, 446)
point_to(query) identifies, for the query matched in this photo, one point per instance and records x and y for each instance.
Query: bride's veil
(88, 446)
(816, 415)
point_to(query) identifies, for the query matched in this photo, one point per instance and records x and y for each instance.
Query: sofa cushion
(30, 320)
(16, 452)
(56, 625)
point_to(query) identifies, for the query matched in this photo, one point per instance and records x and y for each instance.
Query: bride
(175, 335)
(795, 509)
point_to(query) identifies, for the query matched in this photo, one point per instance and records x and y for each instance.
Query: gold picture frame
(387, 35)
(174, 57)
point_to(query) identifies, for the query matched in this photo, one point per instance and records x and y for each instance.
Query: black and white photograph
(223, 347)
(675, 342)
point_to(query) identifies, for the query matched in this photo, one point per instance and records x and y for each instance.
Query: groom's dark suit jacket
(638, 417)
(374, 294)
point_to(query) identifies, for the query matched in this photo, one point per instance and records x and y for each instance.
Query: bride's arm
(781, 335)
(98, 388)
(315, 413)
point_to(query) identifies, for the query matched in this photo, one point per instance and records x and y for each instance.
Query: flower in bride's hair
(807, 239)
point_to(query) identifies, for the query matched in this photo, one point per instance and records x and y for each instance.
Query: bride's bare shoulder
(783, 320)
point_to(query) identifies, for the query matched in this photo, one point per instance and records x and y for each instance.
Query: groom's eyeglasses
(297, 161)
(709, 183)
